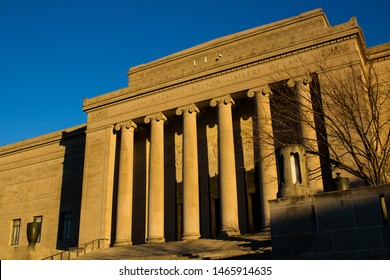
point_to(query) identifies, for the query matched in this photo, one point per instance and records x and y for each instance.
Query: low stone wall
(350, 224)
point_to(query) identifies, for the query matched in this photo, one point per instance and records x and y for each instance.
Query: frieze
(335, 50)
(213, 150)
(173, 156)
(235, 50)
(265, 68)
(98, 115)
(31, 190)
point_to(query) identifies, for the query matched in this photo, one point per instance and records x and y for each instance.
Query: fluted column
(308, 132)
(125, 184)
(267, 160)
(156, 179)
(191, 223)
(227, 167)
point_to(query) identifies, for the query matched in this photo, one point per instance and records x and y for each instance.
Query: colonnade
(226, 165)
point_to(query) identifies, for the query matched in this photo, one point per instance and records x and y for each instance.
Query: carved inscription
(261, 43)
(101, 114)
(335, 50)
(161, 97)
(206, 85)
(280, 65)
(244, 75)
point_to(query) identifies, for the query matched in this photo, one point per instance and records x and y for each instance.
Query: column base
(190, 236)
(122, 243)
(225, 233)
(155, 240)
(266, 227)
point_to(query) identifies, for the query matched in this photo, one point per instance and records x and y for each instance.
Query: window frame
(39, 219)
(66, 226)
(15, 231)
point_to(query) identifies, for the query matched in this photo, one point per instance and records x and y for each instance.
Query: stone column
(267, 161)
(125, 185)
(227, 167)
(155, 232)
(308, 132)
(191, 223)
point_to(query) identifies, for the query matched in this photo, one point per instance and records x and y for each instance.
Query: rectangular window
(15, 232)
(38, 219)
(66, 219)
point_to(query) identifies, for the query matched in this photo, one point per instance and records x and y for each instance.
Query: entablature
(229, 54)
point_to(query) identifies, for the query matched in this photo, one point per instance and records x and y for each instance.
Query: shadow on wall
(71, 189)
(349, 224)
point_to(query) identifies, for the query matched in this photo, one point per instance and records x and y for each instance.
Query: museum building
(179, 153)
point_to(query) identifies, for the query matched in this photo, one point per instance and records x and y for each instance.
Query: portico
(219, 140)
(188, 117)
(196, 145)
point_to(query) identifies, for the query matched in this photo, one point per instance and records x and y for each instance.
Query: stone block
(385, 234)
(367, 211)
(357, 239)
(333, 215)
(292, 220)
(312, 243)
(282, 246)
(341, 256)
(381, 254)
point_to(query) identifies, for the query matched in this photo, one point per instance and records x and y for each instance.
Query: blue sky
(55, 52)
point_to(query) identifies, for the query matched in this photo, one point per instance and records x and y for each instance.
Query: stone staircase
(249, 246)
(83, 249)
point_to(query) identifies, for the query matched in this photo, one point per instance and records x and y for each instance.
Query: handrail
(83, 248)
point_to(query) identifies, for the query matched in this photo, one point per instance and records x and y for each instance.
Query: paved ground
(253, 246)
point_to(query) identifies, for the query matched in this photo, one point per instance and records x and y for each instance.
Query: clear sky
(55, 52)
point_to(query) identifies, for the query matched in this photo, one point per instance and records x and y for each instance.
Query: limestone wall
(349, 224)
(41, 177)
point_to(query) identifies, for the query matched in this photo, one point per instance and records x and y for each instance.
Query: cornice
(43, 140)
(127, 95)
(228, 39)
(380, 52)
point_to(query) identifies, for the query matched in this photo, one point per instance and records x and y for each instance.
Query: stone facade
(41, 177)
(176, 154)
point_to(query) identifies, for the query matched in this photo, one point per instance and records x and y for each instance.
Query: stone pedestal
(292, 172)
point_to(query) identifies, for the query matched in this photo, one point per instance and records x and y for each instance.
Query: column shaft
(227, 167)
(308, 131)
(156, 179)
(125, 185)
(267, 160)
(191, 223)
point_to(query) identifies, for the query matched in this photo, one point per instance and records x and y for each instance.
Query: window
(38, 219)
(66, 219)
(295, 168)
(15, 232)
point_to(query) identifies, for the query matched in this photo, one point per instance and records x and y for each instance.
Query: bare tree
(349, 111)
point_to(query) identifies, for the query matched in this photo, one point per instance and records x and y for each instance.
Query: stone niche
(292, 171)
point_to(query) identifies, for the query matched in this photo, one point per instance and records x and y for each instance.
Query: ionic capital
(155, 117)
(304, 80)
(264, 90)
(227, 99)
(192, 108)
(126, 125)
